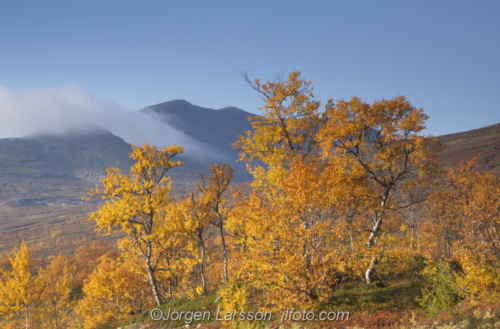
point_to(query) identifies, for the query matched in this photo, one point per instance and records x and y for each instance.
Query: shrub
(439, 292)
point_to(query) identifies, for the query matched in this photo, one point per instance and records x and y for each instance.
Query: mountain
(42, 168)
(218, 128)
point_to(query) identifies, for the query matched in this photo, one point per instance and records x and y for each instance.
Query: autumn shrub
(440, 292)
(466, 223)
(398, 258)
(234, 297)
(480, 280)
(35, 298)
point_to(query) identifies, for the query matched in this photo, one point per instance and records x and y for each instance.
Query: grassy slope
(394, 306)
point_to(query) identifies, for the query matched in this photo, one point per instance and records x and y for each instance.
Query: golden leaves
(113, 291)
(287, 240)
(289, 124)
(466, 225)
(139, 204)
(17, 289)
(40, 301)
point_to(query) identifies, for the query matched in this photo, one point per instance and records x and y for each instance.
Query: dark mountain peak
(179, 106)
(184, 108)
(233, 110)
(217, 127)
(173, 104)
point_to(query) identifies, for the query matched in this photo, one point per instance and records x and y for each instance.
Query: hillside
(483, 143)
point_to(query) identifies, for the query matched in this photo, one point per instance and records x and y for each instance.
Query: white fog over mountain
(68, 109)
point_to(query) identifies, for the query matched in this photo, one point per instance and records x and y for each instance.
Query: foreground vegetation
(394, 306)
(348, 210)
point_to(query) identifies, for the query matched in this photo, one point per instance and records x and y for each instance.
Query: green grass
(358, 296)
(203, 304)
(370, 307)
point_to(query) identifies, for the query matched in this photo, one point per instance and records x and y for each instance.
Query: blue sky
(443, 55)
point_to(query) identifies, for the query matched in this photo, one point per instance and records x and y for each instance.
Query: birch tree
(138, 205)
(285, 131)
(287, 239)
(380, 145)
(19, 291)
(212, 188)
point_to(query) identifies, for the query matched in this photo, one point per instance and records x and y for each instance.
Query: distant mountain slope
(47, 168)
(483, 143)
(78, 158)
(82, 155)
(218, 128)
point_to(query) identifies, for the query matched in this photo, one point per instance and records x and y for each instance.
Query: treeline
(349, 192)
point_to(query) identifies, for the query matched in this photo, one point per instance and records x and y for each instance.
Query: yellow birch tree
(293, 232)
(55, 289)
(204, 217)
(289, 241)
(138, 204)
(286, 130)
(212, 188)
(19, 291)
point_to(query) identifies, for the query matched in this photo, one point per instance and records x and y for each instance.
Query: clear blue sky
(443, 55)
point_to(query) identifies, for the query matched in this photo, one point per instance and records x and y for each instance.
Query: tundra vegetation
(346, 196)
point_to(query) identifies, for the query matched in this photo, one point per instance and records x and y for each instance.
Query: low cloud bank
(63, 110)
